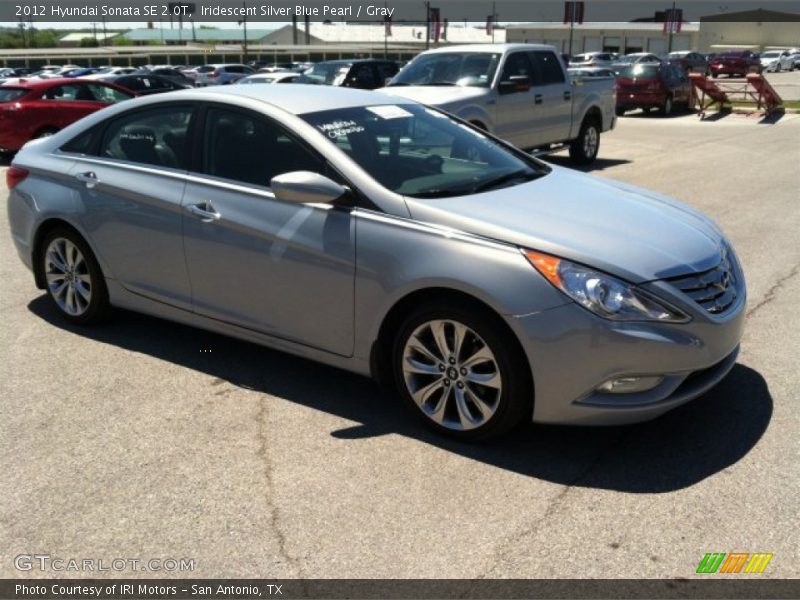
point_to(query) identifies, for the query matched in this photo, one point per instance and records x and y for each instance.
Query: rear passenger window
(549, 67)
(152, 137)
(252, 149)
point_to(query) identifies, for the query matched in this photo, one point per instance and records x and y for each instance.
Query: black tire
(619, 111)
(98, 307)
(714, 75)
(578, 151)
(667, 107)
(515, 401)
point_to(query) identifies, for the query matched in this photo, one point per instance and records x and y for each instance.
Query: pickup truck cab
(519, 92)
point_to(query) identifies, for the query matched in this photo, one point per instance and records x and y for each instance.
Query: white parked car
(274, 77)
(774, 61)
(593, 59)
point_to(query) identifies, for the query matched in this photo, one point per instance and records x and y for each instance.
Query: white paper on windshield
(389, 111)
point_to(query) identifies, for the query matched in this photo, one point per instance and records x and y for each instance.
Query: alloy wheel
(590, 140)
(68, 278)
(452, 374)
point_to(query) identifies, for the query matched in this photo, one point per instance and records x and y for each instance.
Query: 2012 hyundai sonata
(387, 238)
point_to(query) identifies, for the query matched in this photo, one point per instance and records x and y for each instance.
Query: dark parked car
(365, 74)
(39, 108)
(648, 86)
(735, 62)
(146, 83)
(174, 74)
(692, 62)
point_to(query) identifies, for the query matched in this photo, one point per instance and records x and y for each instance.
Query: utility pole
(494, 19)
(427, 25)
(244, 23)
(22, 32)
(105, 35)
(671, 25)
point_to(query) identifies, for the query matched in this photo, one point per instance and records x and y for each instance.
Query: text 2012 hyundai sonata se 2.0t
(384, 237)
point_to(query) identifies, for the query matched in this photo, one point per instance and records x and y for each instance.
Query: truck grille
(714, 289)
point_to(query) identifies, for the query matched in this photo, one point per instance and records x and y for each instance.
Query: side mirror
(305, 187)
(515, 83)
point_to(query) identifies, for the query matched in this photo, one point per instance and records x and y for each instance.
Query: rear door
(64, 104)
(284, 269)
(555, 92)
(130, 181)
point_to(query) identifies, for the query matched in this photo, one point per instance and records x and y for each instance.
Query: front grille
(714, 290)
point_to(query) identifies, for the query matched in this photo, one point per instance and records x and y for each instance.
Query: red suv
(735, 62)
(657, 85)
(40, 107)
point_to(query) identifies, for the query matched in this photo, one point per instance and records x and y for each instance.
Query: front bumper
(571, 352)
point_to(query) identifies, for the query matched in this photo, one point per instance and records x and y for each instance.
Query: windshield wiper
(526, 174)
(453, 83)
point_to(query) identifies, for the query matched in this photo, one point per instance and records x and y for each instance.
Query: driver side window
(517, 65)
(251, 149)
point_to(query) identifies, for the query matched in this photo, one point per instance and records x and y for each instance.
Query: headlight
(602, 294)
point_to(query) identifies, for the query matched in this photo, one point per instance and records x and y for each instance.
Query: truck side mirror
(514, 84)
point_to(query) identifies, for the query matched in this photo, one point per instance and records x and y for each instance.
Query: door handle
(537, 99)
(89, 178)
(205, 211)
(567, 95)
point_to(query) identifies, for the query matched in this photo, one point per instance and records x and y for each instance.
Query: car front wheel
(73, 278)
(455, 372)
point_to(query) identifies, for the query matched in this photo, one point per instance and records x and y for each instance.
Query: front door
(283, 269)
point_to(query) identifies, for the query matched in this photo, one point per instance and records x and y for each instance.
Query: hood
(626, 231)
(435, 95)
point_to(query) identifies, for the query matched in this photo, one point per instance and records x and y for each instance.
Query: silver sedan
(387, 238)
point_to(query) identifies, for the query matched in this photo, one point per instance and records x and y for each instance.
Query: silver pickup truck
(519, 92)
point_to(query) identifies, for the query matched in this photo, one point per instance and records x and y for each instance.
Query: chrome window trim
(187, 176)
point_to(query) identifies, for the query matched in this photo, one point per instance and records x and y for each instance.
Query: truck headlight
(603, 294)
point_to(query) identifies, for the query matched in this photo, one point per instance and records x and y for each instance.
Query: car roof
(35, 84)
(489, 48)
(297, 99)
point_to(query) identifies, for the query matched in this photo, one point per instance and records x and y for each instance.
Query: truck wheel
(583, 149)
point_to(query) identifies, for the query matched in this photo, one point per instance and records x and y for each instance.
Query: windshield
(475, 69)
(639, 72)
(11, 94)
(324, 73)
(417, 151)
(629, 58)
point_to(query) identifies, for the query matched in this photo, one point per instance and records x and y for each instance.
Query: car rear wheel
(74, 281)
(619, 111)
(584, 148)
(666, 108)
(454, 371)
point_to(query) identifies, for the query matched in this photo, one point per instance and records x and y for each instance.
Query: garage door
(680, 42)
(634, 44)
(657, 45)
(592, 44)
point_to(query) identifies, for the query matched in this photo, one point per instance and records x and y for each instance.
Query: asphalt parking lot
(148, 439)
